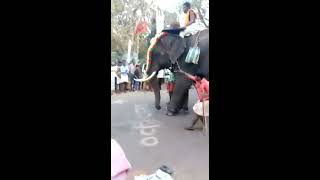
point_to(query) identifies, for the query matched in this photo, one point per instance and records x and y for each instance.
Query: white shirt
(166, 73)
(124, 74)
(160, 74)
(132, 68)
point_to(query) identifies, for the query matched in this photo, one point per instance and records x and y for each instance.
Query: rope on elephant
(194, 52)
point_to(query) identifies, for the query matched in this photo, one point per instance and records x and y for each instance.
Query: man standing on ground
(201, 108)
(137, 75)
(118, 76)
(131, 74)
(124, 76)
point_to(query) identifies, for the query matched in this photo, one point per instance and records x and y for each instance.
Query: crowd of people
(126, 74)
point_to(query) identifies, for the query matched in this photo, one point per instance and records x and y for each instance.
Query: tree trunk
(201, 18)
(138, 44)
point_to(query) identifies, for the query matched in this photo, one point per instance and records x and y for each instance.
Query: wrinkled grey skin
(176, 48)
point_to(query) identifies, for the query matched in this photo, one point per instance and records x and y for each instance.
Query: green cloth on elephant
(193, 55)
(171, 77)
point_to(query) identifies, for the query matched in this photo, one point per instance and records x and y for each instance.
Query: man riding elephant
(190, 23)
(189, 15)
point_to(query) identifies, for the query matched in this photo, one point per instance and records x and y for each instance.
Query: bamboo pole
(205, 129)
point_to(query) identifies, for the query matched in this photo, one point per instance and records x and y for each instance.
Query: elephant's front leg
(156, 89)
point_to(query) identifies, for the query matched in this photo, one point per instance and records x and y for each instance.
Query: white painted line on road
(147, 130)
(146, 126)
(140, 109)
(118, 101)
(149, 141)
(146, 133)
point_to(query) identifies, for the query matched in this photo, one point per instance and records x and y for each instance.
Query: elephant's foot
(185, 110)
(169, 113)
(189, 128)
(158, 107)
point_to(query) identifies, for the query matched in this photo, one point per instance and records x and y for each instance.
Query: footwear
(169, 113)
(194, 122)
(191, 128)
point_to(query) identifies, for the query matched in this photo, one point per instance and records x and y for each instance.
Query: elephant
(168, 50)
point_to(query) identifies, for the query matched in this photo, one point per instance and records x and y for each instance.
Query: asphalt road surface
(151, 139)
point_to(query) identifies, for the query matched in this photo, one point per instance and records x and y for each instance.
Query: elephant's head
(165, 49)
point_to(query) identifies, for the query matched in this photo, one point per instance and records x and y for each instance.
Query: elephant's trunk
(148, 78)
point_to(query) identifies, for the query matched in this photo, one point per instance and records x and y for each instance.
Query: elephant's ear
(175, 46)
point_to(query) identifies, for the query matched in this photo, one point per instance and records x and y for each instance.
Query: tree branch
(201, 18)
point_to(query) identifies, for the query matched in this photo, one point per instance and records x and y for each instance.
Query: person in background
(202, 87)
(126, 65)
(124, 71)
(131, 74)
(144, 84)
(137, 75)
(170, 83)
(118, 76)
(160, 77)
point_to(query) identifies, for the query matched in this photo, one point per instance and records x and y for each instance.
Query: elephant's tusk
(148, 78)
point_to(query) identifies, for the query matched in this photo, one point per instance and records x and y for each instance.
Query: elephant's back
(204, 41)
(203, 64)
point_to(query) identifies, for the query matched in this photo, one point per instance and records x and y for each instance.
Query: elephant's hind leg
(185, 104)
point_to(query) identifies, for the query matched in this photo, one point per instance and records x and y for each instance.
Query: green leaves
(125, 14)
